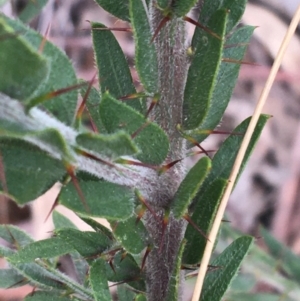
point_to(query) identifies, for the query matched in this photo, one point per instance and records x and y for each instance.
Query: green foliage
(116, 8)
(114, 73)
(19, 83)
(129, 149)
(98, 281)
(31, 10)
(151, 140)
(145, 53)
(227, 265)
(190, 186)
(103, 199)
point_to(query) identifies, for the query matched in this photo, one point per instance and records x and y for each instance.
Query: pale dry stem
(236, 167)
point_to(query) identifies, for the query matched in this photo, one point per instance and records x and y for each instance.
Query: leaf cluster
(109, 154)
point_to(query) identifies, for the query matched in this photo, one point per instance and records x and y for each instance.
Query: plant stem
(172, 65)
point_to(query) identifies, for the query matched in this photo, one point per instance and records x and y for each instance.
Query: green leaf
(98, 281)
(140, 297)
(145, 53)
(223, 160)
(55, 140)
(112, 146)
(38, 276)
(235, 8)
(229, 261)
(202, 74)
(227, 76)
(132, 236)
(31, 10)
(103, 199)
(287, 260)
(114, 73)
(28, 173)
(203, 216)
(12, 129)
(182, 7)
(125, 269)
(163, 4)
(151, 140)
(47, 248)
(47, 296)
(81, 266)
(61, 74)
(11, 278)
(125, 294)
(189, 186)
(118, 8)
(16, 81)
(174, 283)
(98, 227)
(15, 236)
(256, 297)
(60, 221)
(87, 243)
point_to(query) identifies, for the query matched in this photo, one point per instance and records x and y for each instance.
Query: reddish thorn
(94, 127)
(203, 150)
(162, 23)
(62, 91)
(128, 29)
(52, 208)
(140, 129)
(136, 163)
(145, 203)
(199, 152)
(93, 157)
(71, 171)
(154, 102)
(140, 214)
(33, 291)
(85, 98)
(188, 19)
(123, 256)
(240, 62)
(44, 40)
(164, 226)
(111, 265)
(148, 250)
(133, 96)
(166, 167)
(190, 221)
(115, 226)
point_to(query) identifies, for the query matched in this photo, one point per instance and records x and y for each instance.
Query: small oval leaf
(132, 236)
(217, 282)
(202, 74)
(151, 140)
(190, 186)
(103, 199)
(98, 281)
(145, 52)
(111, 146)
(114, 73)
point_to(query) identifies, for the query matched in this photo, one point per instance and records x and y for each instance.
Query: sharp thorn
(162, 23)
(188, 19)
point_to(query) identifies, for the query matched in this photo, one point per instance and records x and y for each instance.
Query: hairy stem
(172, 65)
